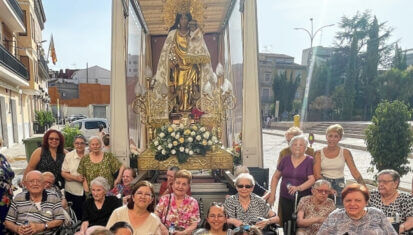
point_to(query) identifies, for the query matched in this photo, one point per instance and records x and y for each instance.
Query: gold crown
(173, 7)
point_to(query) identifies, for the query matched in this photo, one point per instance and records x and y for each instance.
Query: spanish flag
(52, 51)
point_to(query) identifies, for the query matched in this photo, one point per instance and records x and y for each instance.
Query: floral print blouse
(6, 191)
(312, 210)
(182, 217)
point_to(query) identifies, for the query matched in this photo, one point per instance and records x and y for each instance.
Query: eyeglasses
(219, 216)
(247, 186)
(34, 181)
(323, 191)
(140, 194)
(53, 139)
(384, 181)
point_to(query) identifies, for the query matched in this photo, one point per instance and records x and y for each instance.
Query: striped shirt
(257, 208)
(22, 209)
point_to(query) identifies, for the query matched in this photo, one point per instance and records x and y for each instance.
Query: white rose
(198, 137)
(181, 126)
(156, 143)
(202, 129)
(173, 151)
(191, 152)
(177, 136)
(159, 147)
(193, 133)
(170, 145)
(209, 142)
(186, 150)
(173, 126)
(163, 152)
(173, 134)
(181, 149)
(214, 139)
(206, 135)
(161, 135)
(190, 139)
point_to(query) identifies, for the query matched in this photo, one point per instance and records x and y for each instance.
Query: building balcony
(43, 68)
(12, 15)
(12, 69)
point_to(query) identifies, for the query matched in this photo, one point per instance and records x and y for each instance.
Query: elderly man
(36, 210)
(314, 209)
(49, 180)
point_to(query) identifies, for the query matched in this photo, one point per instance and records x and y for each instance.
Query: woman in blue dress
(6, 191)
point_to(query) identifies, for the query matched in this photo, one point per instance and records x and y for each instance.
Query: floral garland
(182, 141)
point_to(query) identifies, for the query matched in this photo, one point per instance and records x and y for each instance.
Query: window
(25, 24)
(94, 124)
(267, 77)
(265, 93)
(78, 125)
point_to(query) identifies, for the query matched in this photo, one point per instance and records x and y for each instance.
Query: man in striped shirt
(35, 211)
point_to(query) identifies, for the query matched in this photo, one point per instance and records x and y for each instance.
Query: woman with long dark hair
(50, 156)
(216, 222)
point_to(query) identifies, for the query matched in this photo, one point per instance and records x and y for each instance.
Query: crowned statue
(184, 65)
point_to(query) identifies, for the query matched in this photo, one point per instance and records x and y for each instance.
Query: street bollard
(297, 120)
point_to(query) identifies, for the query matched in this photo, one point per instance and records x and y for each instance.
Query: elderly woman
(73, 180)
(177, 208)
(216, 222)
(314, 209)
(329, 162)
(355, 217)
(49, 157)
(296, 171)
(97, 210)
(98, 163)
(139, 211)
(289, 134)
(6, 188)
(247, 208)
(124, 189)
(395, 205)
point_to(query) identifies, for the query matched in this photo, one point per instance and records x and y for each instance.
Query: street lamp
(312, 35)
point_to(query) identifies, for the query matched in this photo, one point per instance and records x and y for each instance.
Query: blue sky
(82, 28)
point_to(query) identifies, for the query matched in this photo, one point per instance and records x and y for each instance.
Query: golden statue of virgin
(184, 64)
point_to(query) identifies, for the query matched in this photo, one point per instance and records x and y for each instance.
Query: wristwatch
(46, 226)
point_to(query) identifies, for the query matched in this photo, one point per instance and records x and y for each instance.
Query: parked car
(90, 126)
(75, 117)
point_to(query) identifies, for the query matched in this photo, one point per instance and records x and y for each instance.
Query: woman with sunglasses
(216, 222)
(247, 208)
(314, 209)
(139, 211)
(49, 157)
(73, 186)
(297, 176)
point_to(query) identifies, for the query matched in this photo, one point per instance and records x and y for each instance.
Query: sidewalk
(352, 143)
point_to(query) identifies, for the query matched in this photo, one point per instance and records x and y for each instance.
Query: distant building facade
(271, 64)
(83, 91)
(23, 69)
(321, 54)
(409, 57)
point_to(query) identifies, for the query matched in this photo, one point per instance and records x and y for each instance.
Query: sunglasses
(247, 186)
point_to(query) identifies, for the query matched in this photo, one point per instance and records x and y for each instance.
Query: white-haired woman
(98, 208)
(314, 209)
(97, 163)
(394, 204)
(247, 208)
(297, 175)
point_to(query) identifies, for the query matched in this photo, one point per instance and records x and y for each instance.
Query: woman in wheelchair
(247, 208)
(314, 209)
(397, 206)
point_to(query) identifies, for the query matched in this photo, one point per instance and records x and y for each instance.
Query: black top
(96, 216)
(47, 163)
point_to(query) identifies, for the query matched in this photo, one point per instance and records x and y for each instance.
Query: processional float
(184, 106)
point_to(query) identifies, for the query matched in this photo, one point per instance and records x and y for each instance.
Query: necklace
(183, 34)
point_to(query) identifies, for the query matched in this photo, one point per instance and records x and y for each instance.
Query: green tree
(399, 58)
(70, 133)
(389, 137)
(396, 84)
(284, 88)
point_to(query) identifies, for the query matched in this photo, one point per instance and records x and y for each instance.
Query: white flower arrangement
(182, 141)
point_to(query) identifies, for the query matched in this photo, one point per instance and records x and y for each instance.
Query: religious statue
(184, 64)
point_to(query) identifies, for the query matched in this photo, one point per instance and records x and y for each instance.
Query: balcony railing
(43, 63)
(16, 9)
(12, 63)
